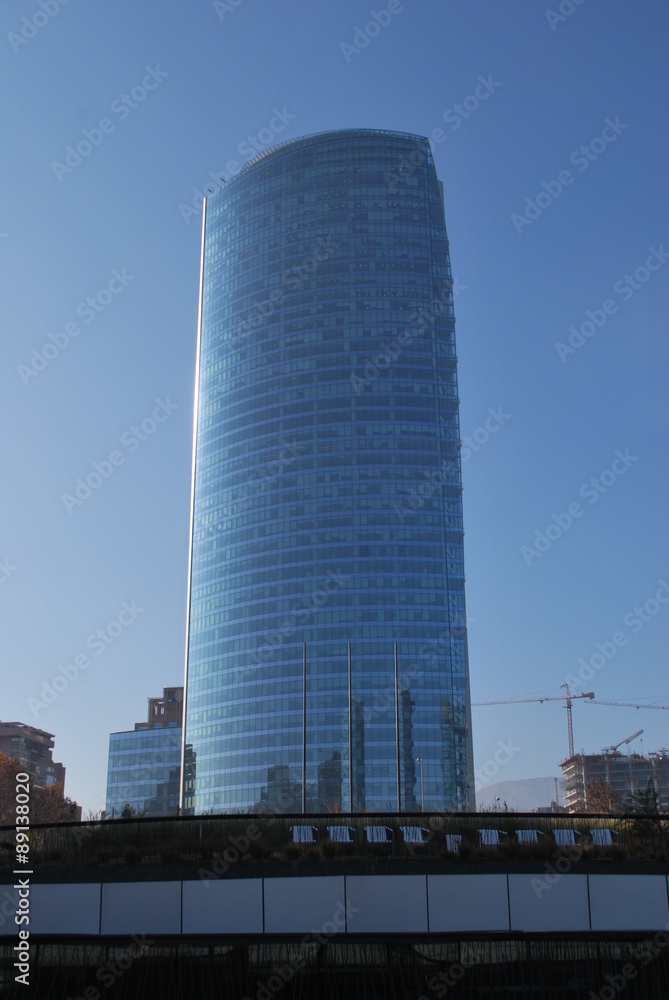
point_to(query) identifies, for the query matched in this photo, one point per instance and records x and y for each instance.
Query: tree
(49, 805)
(9, 768)
(601, 798)
(46, 805)
(129, 812)
(644, 801)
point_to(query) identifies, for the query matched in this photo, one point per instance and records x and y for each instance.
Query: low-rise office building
(144, 766)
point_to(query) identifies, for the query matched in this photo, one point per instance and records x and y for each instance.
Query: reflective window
(143, 771)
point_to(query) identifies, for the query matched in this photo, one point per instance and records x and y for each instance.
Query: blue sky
(110, 228)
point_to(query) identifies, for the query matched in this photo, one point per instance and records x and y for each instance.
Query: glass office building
(327, 651)
(143, 771)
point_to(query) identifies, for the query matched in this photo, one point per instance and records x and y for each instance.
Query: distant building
(144, 766)
(33, 747)
(623, 773)
(552, 808)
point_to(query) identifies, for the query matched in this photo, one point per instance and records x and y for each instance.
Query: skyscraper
(327, 651)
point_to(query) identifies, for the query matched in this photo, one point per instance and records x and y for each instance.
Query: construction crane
(628, 740)
(569, 698)
(627, 704)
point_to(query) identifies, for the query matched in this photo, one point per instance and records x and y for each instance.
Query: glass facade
(327, 653)
(144, 771)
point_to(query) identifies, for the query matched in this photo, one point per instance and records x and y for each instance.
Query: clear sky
(509, 94)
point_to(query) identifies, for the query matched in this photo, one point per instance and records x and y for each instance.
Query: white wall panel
(628, 902)
(537, 904)
(70, 908)
(387, 903)
(468, 903)
(222, 906)
(382, 904)
(141, 908)
(299, 905)
(8, 904)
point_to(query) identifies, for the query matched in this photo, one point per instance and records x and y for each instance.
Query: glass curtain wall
(327, 655)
